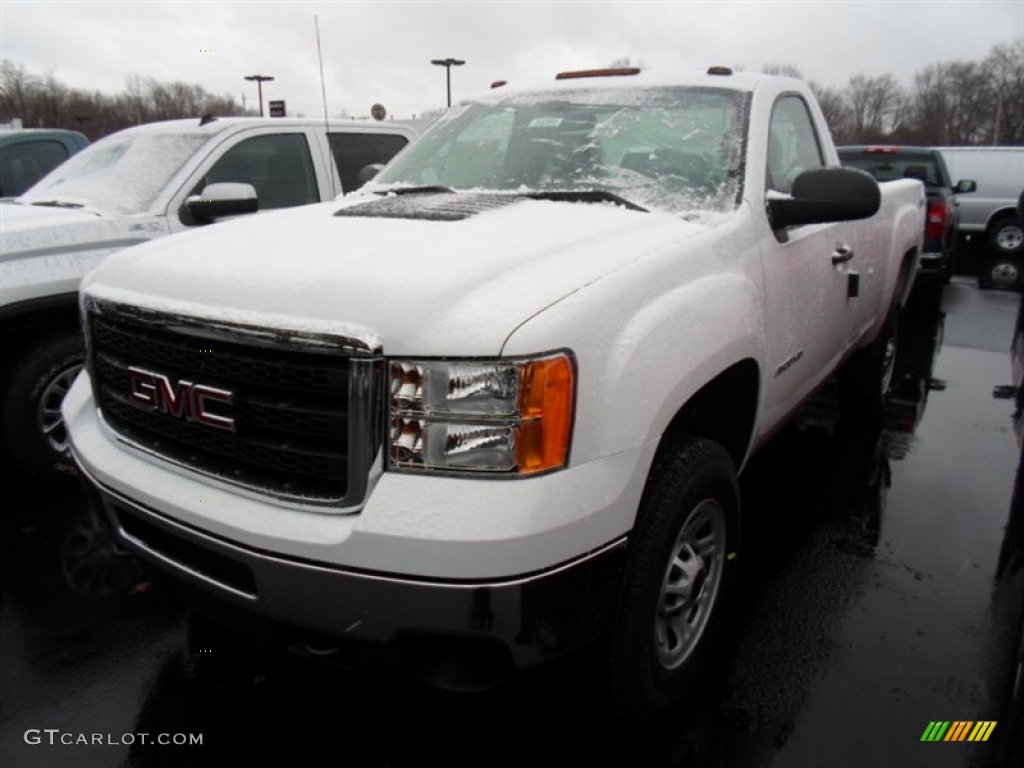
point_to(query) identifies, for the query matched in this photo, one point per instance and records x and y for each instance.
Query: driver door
(810, 313)
(278, 165)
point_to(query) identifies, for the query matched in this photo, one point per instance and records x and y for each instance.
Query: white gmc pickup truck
(492, 408)
(132, 186)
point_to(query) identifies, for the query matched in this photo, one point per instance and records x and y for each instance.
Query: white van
(992, 209)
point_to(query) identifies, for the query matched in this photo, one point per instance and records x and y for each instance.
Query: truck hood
(411, 284)
(27, 231)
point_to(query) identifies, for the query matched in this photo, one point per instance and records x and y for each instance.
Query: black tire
(866, 379)
(34, 436)
(1005, 272)
(947, 267)
(662, 635)
(1006, 236)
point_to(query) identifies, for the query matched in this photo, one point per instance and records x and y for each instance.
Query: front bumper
(454, 636)
(499, 576)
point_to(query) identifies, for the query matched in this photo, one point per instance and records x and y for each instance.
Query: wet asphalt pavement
(882, 588)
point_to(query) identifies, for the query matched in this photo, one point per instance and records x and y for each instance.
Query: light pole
(260, 79)
(448, 64)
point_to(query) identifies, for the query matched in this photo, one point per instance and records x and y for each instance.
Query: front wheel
(34, 436)
(678, 576)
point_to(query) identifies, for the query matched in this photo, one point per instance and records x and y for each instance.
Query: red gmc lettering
(183, 400)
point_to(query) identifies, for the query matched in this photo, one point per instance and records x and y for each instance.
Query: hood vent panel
(434, 206)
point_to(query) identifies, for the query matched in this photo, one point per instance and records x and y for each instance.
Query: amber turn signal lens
(546, 406)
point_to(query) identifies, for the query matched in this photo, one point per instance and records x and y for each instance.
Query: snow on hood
(420, 287)
(34, 230)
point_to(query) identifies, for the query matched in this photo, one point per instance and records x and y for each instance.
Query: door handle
(842, 253)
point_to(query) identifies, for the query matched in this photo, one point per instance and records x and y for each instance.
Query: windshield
(122, 174)
(674, 149)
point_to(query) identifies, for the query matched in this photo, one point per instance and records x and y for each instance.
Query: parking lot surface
(882, 590)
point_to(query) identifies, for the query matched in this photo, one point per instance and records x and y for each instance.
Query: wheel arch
(26, 322)
(905, 277)
(1008, 211)
(724, 410)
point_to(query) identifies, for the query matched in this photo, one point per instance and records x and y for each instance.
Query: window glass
(792, 144)
(889, 167)
(674, 149)
(278, 166)
(354, 151)
(24, 163)
(122, 173)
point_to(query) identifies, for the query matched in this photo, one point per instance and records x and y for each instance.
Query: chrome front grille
(303, 411)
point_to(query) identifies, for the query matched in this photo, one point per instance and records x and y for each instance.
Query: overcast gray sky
(380, 51)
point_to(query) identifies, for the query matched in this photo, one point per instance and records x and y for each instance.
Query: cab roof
(215, 125)
(632, 77)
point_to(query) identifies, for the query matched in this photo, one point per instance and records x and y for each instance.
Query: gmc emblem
(184, 399)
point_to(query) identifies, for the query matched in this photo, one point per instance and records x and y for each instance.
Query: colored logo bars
(958, 730)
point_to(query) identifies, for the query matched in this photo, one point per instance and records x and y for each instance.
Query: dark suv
(886, 163)
(28, 154)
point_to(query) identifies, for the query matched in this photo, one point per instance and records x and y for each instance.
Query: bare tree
(783, 69)
(17, 89)
(951, 102)
(876, 107)
(625, 61)
(837, 115)
(52, 101)
(46, 101)
(1005, 67)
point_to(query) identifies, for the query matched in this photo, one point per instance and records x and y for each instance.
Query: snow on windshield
(121, 174)
(672, 149)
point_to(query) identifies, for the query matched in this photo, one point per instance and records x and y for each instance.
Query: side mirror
(823, 195)
(964, 186)
(368, 172)
(228, 198)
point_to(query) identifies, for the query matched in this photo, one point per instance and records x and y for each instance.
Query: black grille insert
(289, 406)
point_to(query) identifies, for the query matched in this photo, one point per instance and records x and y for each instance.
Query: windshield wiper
(585, 196)
(59, 204)
(425, 189)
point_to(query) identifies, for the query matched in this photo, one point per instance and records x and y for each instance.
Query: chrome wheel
(1004, 273)
(1009, 237)
(690, 585)
(50, 419)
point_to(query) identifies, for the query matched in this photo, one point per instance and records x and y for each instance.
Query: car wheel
(1006, 236)
(35, 437)
(93, 564)
(1002, 272)
(678, 576)
(865, 380)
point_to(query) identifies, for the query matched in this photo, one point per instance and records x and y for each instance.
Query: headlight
(504, 416)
